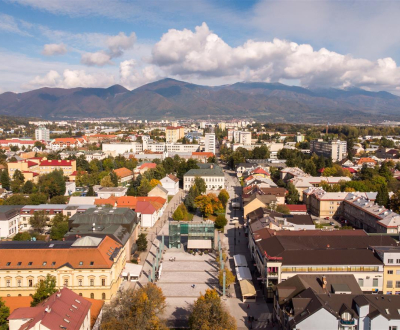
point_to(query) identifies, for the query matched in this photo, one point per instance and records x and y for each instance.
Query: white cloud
(204, 54)
(54, 49)
(12, 25)
(116, 45)
(70, 79)
(131, 77)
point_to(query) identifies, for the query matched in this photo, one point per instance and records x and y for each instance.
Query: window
(66, 282)
(30, 283)
(361, 282)
(44, 263)
(53, 263)
(80, 263)
(30, 263)
(91, 263)
(80, 282)
(375, 282)
(19, 282)
(103, 281)
(80, 294)
(103, 296)
(390, 261)
(397, 261)
(92, 295)
(91, 282)
(8, 283)
(393, 327)
(8, 263)
(19, 263)
(397, 284)
(390, 272)
(389, 284)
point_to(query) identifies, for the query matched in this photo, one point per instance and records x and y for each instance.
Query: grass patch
(169, 198)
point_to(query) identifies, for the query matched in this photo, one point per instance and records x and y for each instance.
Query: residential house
(28, 168)
(368, 161)
(292, 172)
(158, 191)
(297, 208)
(143, 167)
(171, 183)
(390, 257)
(279, 193)
(9, 220)
(256, 201)
(89, 266)
(124, 175)
(202, 156)
(62, 310)
(107, 192)
(64, 143)
(147, 213)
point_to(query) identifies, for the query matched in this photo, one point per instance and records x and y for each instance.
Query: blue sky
(97, 43)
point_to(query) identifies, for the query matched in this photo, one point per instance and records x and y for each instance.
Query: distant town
(131, 222)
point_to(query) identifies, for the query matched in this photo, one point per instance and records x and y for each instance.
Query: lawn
(169, 198)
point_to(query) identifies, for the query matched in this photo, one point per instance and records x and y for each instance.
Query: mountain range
(169, 98)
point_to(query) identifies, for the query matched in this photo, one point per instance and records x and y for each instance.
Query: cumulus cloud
(116, 45)
(54, 49)
(132, 77)
(202, 53)
(70, 79)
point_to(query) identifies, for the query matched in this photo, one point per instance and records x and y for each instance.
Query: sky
(98, 43)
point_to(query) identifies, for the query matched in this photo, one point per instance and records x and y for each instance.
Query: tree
(4, 314)
(221, 221)
(107, 182)
(382, 198)
(59, 200)
(27, 188)
(138, 309)
(5, 179)
(223, 196)
(141, 242)
(200, 184)
(114, 178)
(144, 187)
(394, 202)
(37, 199)
(154, 182)
(204, 203)
(18, 176)
(282, 209)
(58, 230)
(22, 236)
(17, 199)
(208, 312)
(293, 195)
(178, 214)
(53, 184)
(190, 198)
(229, 277)
(39, 221)
(44, 289)
(90, 191)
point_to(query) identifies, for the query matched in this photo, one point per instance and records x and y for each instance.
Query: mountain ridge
(171, 98)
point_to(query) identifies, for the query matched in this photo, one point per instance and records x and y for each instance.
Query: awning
(132, 269)
(199, 244)
(243, 273)
(240, 260)
(124, 274)
(247, 288)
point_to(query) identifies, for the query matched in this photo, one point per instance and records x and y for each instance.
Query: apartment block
(42, 134)
(337, 150)
(174, 133)
(209, 142)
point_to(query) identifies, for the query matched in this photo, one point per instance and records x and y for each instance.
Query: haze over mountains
(169, 98)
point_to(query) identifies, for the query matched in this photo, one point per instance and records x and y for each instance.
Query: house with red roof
(124, 175)
(147, 213)
(259, 172)
(67, 166)
(64, 143)
(143, 167)
(171, 183)
(64, 309)
(297, 208)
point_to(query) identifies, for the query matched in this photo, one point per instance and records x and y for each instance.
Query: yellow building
(391, 268)
(174, 133)
(256, 201)
(90, 266)
(323, 204)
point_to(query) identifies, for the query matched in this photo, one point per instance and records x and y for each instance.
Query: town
(278, 226)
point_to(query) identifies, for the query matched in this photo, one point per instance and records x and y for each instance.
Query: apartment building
(64, 143)
(124, 175)
(361, 212)
(67, 166)
(42, 134)
(209, 142)
(9, 220)
(336, 149)
(211, 173)
(88, 154)
(89, 266)
(28, 168)
(390, 257)
(174, 133)
(279, 255)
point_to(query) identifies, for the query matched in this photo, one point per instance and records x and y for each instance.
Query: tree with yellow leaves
(136, 310)
(154, 182)
(209, 313)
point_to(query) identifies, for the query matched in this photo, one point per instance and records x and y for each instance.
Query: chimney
(324, 282)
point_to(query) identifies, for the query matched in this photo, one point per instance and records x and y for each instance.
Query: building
(171, 183)
(62, 310)
(158, 191)
(67, 166)
(89, 266)
(332, 302)
(42, 134)
(124, 175)
(212, 174)
(9, 220)
(362, 212)
(279, 255)
(254, 201)
(173, 134)
(64, 143)
(209, 142)
(336, 150)
(390, 257)
(88, 154)
(107, 192)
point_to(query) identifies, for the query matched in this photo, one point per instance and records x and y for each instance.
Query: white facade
(147, 220)
(42, 133)
(170, 185)
(107, 192)
(212, 182)
(245, 138)
(120, 148)
(9, 227)
(209, 142)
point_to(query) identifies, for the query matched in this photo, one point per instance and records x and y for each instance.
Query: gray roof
(215, 171)
(105, 216)
(9, 211)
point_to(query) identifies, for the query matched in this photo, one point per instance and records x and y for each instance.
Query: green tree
(293, 195)
(282, 209)
(37, 198)
(382, 198)
(200, 184)
(90, 191)
(221, 221)
(22, 236)
(17, 199)
(58, 230)
(107, 182)
(28, 187)
(138, 309)
(144, 187)
(141, 242)
(394, 202)
(5, 179)
(39, 221)
(44, 289)
(190, 198)
(59, 200)
(18, 176)
(114, 178)
(53, 184)
(178, 214)
(4, 314)
(223, 196)
(208, 312)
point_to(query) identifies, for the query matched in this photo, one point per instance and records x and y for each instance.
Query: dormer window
(8, 263)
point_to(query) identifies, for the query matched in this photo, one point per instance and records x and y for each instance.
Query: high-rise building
(174, 133)
(42, 133)
(337, 150)
(209, 142)
(245, 138)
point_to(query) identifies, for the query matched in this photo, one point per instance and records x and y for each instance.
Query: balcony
(347, 322)
(272, 275)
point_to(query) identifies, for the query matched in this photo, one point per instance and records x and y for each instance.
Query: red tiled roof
(17, 141)
(249, 178)
(173, 127)
(17, 302)
(65, 140)
(123, 172)
(259, 170)
(173, 177)
(205, 154)
(366, 160)
(131, 201)
(33, 173)
(56, 162)
(148, 165)
(145, 208)
(297, 208)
